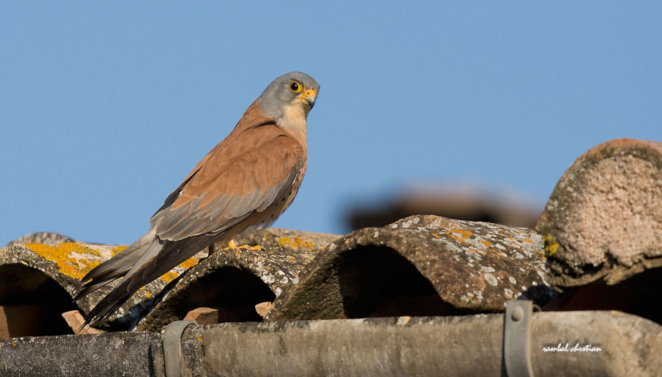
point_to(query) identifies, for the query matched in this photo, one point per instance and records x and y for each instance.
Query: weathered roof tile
(234, 280)
(604, 218)
(420, 265)
(58, 269)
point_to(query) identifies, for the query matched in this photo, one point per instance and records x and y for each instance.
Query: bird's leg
(211, 250)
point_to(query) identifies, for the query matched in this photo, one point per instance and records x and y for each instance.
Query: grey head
(291, 88)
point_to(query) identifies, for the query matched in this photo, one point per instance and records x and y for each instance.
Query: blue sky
(106, 106)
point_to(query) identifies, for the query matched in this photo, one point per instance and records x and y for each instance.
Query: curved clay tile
(229, 284)
(604, 218)
(420, 265)
(49, 275)
(46, 238)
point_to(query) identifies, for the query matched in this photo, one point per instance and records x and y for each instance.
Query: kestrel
(246, 181)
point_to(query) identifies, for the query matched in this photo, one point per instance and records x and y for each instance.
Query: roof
(596, 247)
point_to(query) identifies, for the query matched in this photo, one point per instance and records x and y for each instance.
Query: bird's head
(292, 93)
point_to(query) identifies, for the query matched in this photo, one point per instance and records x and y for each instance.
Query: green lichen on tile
(551, 246)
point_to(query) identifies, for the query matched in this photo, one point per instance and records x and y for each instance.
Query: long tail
(115, 267)
(123, 291)
(154, 258)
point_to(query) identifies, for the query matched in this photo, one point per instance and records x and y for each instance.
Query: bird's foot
(256, 247)
(233, 245)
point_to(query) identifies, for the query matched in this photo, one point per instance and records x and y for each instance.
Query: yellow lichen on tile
(486, 243)
(528, 241)
(189, 263)
(295, 242)
(436, 235)
(144, 290)
(304, 243)
(117, 249)
(462, 234)
(61, 255)
(169, 276)
(285, 241)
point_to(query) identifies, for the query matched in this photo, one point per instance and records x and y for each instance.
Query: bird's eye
(295, 87)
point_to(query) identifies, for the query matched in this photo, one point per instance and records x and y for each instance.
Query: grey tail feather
(121, 293)
(115, 267)
(159, 258)
(102, 316)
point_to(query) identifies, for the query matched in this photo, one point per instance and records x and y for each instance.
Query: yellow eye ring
(296, 87)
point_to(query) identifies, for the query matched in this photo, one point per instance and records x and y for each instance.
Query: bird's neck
(294, 122)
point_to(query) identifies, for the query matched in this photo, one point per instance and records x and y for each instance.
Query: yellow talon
(233, 245)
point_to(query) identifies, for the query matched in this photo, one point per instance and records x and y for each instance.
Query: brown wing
(244, 176)
(252, 118)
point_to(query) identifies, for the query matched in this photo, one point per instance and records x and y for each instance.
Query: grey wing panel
(190, 220)
(170, 199)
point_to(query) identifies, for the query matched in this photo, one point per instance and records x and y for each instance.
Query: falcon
(244, 183)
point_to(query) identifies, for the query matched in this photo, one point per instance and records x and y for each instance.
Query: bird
(244, 183)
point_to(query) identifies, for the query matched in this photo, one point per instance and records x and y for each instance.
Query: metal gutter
(422, 346)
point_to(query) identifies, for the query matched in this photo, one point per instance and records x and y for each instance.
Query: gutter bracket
(171, 337)
(517, 338)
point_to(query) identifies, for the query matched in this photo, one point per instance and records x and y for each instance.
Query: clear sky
(106, 106)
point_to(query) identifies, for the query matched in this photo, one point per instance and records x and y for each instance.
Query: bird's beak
(308, 97)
